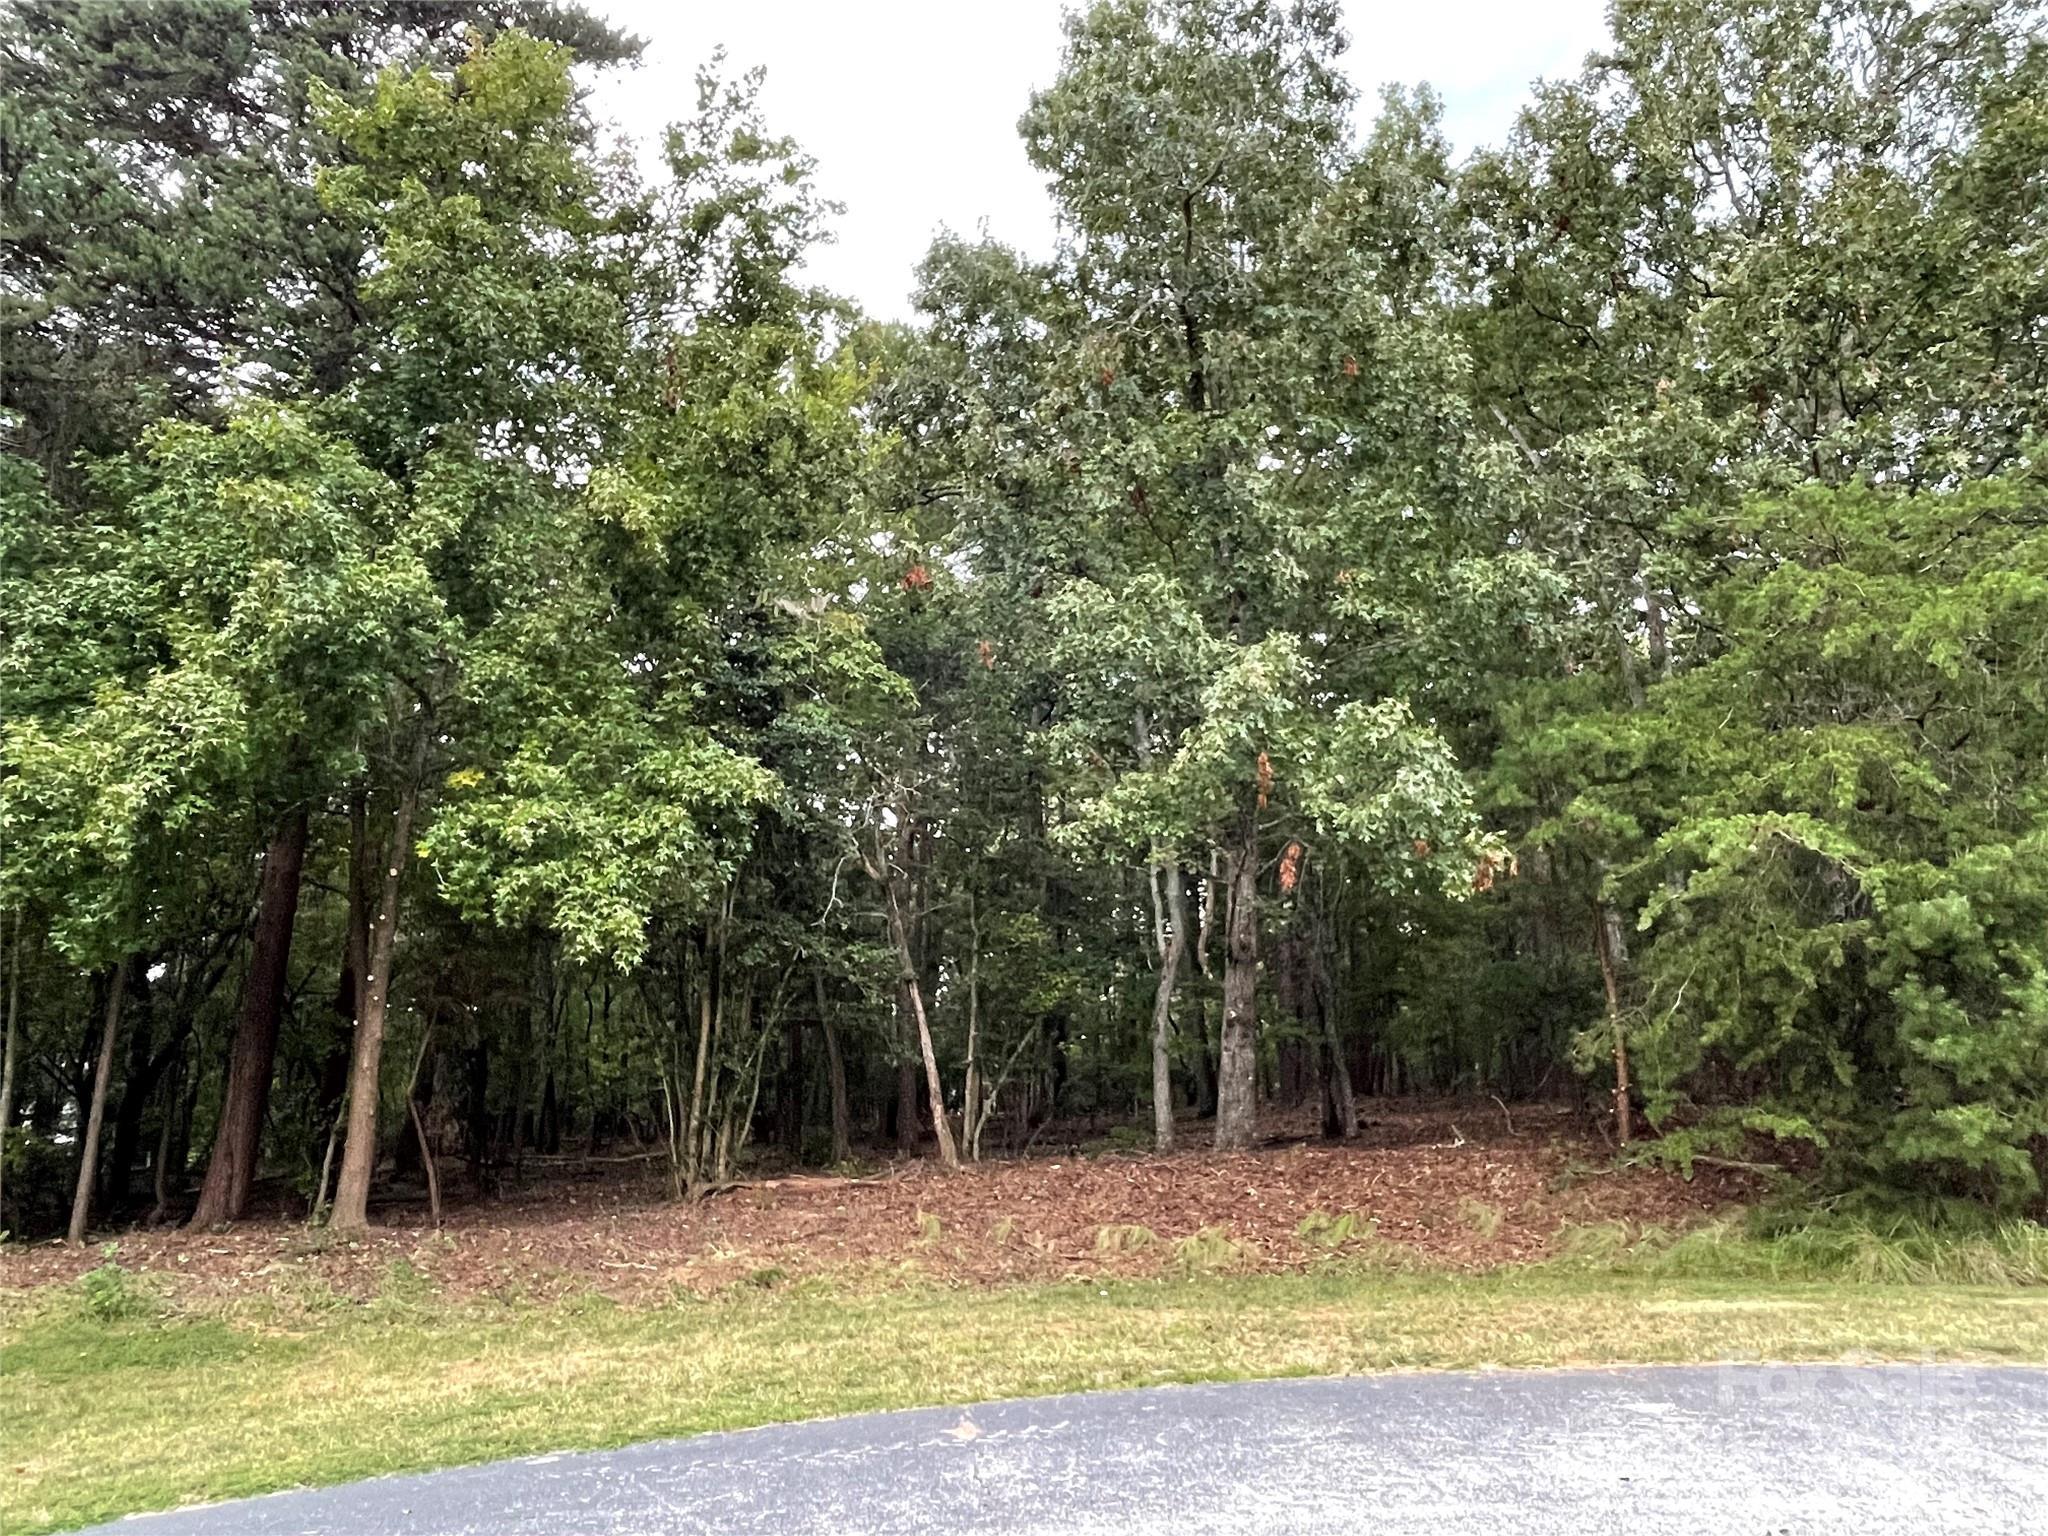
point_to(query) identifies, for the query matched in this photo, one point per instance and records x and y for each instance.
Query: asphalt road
(1727, 1450)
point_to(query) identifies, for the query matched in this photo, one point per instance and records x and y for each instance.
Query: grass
(1895, 1251)
(116, 1401)
(1319, 1229)
(1127, 1238)
(1483, 1219)
(1207, 1252)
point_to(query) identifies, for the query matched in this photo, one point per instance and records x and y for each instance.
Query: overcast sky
(910, 107)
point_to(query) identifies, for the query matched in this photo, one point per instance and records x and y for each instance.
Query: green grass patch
(109, 1412)
(1769, 1246)
(108, 1293)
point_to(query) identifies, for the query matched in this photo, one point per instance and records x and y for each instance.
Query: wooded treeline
(495, 662)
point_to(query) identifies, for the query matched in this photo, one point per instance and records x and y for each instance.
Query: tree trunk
(476, 1115)
(138, 1081)
(1295, 1067)
(166, 1139)
(908, 1120)
(427, 1164)
(89, 1160)
(1211, 885)
(356, 943)
(429, 1169)
(970, 1097)
(327, 1162)
(522, 1085)
(1169, 934)
(835, 1065)
(1608, 941)
(237, 1145)
(690, 1127)
(1170, 926)
(1202, 1092)
(793, 1086)
(913, 996)
(359, 1148)
(549, 1140)
(1660, 640)
(949, 1154)
(187, 1107)
(1237, 1064)
(1340, 1105)
(348, 995)
(7, 1057)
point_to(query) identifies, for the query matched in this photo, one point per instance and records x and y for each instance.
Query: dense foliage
(492, 659)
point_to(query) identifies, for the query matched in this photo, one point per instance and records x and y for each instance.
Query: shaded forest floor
(1438, 1185)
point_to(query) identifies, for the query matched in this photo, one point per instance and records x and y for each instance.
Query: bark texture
(359, 1148)
(7, 1056)
(1613, 955)
(912, 996)
(89, 1159)
(238, 1143)
(1237, 1063)
(1171, 923)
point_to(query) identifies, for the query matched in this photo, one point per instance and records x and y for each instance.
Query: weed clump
(107, 1293)
(1319, 1229)
(1483, 1219)
(1124, 1238)
(403, 1286)
(1207, 1252)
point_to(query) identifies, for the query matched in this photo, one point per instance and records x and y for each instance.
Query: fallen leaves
(1404, 1182)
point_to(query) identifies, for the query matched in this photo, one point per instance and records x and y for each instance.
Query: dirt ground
(1451, 1185)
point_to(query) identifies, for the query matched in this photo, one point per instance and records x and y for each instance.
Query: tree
(1244, 474)
(173, 253)
(1346, 619)
(231, 1169)
(164, 235)
(89, 1139)
(1828, 824)
(629, 749)
(494, 325)
(1751, 246)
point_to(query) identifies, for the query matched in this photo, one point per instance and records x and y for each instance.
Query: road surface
(1728, 1450)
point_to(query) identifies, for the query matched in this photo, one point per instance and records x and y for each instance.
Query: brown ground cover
(1450, 1185)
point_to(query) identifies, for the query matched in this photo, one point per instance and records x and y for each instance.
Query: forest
(497, 665)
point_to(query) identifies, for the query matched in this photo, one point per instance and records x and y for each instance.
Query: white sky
(910, 106)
